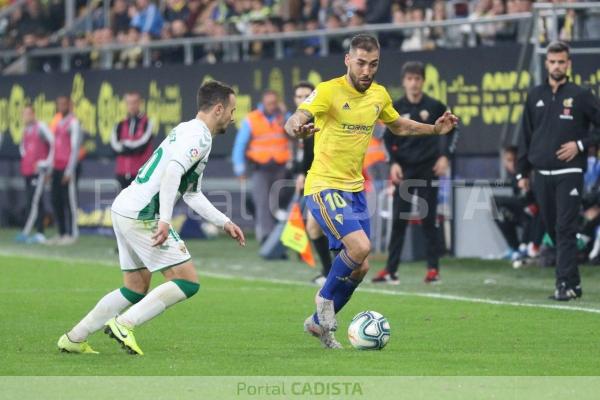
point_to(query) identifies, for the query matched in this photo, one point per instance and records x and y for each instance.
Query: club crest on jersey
(424, 114)
(182, 248)
(377, 109)
(194, 153)
(568, 102)
(346, 106)
(566, 114)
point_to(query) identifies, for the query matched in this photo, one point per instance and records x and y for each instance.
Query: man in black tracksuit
(555, 135)
(416, 164)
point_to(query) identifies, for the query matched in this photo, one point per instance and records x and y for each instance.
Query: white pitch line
(414, 294)
(362, 289)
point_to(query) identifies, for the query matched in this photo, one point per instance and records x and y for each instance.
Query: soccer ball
(369, 330)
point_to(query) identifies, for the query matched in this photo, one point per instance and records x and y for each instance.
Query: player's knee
(189, 288)
(133, 295)
(360, 251)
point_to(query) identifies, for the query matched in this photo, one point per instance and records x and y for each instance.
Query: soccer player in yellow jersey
(342, 113)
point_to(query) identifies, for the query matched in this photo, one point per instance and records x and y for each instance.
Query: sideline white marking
(362, 289)
(414, 294)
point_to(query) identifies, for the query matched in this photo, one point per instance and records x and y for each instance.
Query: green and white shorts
(134, 240)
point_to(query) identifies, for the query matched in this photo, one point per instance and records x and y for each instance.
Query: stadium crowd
(132, 22)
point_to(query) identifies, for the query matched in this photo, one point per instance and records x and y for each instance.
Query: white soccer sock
(155, 302)
(109, 306)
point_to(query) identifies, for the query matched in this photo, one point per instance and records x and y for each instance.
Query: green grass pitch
(247, 318)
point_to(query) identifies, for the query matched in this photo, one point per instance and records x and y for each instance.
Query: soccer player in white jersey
(141, 216)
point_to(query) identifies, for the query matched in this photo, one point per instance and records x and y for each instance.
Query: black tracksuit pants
(559, 198)
(64, 202)
(419, 180)
(512, 215)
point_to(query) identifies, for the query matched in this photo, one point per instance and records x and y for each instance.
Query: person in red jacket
(131, 140)
(67, 140)
(37, 152)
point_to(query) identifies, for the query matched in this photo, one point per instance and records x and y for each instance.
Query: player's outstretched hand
(306, 130)
(445, 123)
(161, 234)
(235, 232)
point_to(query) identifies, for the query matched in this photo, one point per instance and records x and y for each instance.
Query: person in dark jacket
(416, 164)
(555, 135)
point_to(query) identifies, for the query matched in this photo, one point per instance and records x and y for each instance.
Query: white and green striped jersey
(189, 145)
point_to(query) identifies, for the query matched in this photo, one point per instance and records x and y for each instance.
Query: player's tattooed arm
(407, 127)
(300, 125)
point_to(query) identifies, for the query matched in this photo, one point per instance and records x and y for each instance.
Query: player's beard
(358, 85)
(558, 76)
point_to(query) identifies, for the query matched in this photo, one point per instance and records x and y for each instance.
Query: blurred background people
(131, 140)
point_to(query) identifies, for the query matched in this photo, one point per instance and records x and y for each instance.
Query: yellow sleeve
(388, 113)
(319, 100)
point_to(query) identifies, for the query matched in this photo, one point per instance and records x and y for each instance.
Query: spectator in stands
(33, 21)
(292, 48)
(131, 140)
(416, 39)
(312, 45)
(147, 20)
(120, 20)
(176, 10)
(213, 53)
(101, 38)
(486, 33)
(336, 44)
(378, 11)
(439, 36)
(357, 19)
(37, 153)
(67, 140)
(262, 143)
(393, 40)
(132, 55)
(78, 60)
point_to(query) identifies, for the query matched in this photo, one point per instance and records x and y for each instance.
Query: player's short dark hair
(304, 84)
(559, 46)
(413, 67)
(212, 93)
(364, 42)
(510, 148)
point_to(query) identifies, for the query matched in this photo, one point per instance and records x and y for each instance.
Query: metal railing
(553, 12)
(236, 47)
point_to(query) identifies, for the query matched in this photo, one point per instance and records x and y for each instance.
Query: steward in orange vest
(263, 142)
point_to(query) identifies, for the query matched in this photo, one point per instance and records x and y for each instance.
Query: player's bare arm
(407, 127)
(299, 125)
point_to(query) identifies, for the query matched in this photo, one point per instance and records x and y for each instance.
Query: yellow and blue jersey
(346, 119)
